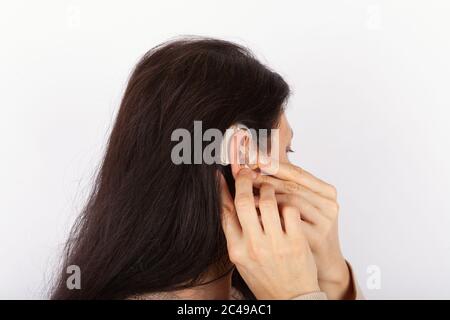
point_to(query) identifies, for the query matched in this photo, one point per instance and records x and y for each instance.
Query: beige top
(237, 295)
(357, 293)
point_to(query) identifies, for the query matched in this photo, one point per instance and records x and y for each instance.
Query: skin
(316, 201)
(275, 261)
(284, 240)
(317, 207)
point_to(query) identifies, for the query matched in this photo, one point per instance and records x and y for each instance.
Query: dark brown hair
(151, 225)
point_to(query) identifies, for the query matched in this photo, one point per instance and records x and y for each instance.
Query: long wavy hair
(151, 225)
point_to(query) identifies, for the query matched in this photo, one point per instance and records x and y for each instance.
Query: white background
(370, 113)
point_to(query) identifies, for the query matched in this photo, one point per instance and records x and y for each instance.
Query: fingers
(291, 218)
(268, 207)
(289, 172)
(290, 187)
(230, 222)
(308, 212)
(281, 186)
(309, 230)
(245, 204)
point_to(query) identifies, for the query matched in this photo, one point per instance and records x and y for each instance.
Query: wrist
(337, 281)
(336, 272)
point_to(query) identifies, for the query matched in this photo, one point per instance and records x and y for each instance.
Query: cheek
(283, 155)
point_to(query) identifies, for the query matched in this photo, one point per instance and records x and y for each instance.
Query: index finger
(245, 203)
(290, 172)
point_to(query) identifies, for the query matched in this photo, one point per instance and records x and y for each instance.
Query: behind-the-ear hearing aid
(247, 154)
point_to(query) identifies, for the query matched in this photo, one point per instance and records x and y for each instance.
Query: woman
(153, 229)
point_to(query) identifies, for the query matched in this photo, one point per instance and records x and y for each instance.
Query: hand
(275, 263)
(317, 203)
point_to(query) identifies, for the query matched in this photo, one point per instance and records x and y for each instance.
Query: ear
(239, 150)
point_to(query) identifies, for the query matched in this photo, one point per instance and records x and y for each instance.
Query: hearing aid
(246, 153)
